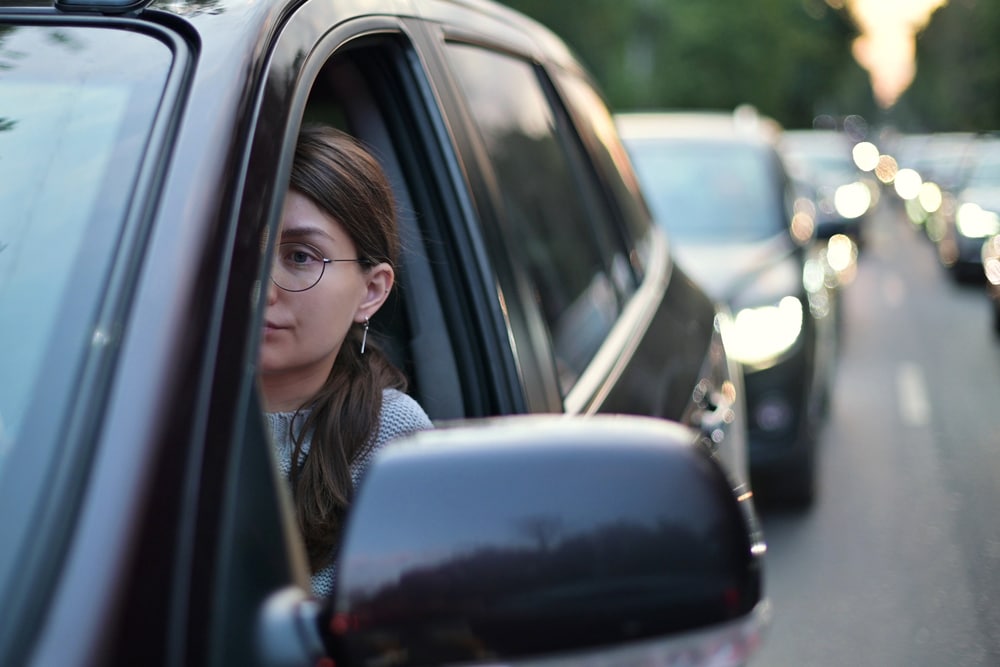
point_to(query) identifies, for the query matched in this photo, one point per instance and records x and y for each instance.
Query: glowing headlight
(852, 200)
(761, 335)
(975, 222)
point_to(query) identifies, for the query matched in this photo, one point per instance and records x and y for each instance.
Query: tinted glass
(73, 125)
(711, 190)
(611, 159)
(549, 203)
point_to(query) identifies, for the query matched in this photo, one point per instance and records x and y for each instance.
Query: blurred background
(888, 119)
(892, 62)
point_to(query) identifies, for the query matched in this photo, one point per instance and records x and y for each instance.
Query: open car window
(423, 327)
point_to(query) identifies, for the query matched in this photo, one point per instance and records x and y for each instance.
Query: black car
(717, 184)
(145, 151)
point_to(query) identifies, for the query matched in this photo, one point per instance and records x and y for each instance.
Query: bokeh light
(907, 183)
(841, 252)
(930, 197)
(852, 200)
(886, 168)
(865, 155)
(991, 260)
(803, 224)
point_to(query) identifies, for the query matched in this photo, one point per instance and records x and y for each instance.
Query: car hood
(724, 270)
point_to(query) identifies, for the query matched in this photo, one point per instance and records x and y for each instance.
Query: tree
(789, 58)
(958, 67)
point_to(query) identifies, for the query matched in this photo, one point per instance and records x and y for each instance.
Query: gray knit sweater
(401, 415)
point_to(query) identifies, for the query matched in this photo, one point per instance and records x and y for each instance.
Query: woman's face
(304, 330)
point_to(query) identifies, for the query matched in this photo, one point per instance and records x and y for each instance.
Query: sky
(886, 46)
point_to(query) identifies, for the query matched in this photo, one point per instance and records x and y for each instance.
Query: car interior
(415, 325)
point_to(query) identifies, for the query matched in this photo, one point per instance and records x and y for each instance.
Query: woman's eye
(296, 255)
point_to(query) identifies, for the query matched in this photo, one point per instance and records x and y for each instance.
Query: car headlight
(759, 336)
(975, 222)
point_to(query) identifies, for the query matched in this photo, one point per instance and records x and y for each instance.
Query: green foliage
(789, 58)
(958, 70)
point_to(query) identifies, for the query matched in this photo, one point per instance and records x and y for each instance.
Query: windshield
(76, 109)
(822, 169)
(73, 124)
(710, 190)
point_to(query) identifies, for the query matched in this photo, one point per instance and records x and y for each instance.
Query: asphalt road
(898, 562)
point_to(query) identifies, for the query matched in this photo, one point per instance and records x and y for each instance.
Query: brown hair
(345, 181)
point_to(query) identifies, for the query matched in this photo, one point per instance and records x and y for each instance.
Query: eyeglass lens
(298, 267)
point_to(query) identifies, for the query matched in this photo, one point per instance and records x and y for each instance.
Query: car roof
(247, 18)
(743, 124)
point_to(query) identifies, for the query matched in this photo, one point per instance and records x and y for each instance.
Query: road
(898, 562)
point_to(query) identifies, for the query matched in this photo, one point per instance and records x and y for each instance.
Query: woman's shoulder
(401, 413)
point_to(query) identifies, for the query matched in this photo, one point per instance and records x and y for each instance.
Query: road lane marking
(914, 408)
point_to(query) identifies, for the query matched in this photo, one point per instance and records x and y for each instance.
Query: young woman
(332, 398)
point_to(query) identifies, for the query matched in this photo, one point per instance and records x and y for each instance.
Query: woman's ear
(379, 281)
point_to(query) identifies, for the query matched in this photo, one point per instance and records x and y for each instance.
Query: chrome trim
(731, 644)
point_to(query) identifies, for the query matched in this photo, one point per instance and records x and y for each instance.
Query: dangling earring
(364, 337)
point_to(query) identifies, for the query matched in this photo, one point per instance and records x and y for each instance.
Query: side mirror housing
(522, 537)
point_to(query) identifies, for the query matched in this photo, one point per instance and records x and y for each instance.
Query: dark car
(716, 183)
(936, 166)
(821, 162)
(145, 152)
(974, 215)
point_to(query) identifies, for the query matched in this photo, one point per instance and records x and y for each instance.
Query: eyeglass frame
(322, 271)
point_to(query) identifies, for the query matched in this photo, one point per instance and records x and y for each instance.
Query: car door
(562, 269)
(370, 75)
(591, 292)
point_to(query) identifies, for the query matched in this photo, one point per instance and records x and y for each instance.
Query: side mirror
(530, 537)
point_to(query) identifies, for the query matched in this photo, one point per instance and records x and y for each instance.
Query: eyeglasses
(299, 266)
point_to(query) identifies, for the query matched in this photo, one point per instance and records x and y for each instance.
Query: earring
(364, 336)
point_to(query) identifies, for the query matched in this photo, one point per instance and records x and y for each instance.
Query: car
(716, 182)
(821, 162)
(937, 164)
(974, 216)
(145, 152)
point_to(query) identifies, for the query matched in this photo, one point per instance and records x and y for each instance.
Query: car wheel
(792, 485)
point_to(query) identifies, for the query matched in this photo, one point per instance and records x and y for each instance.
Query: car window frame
(531, 337)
